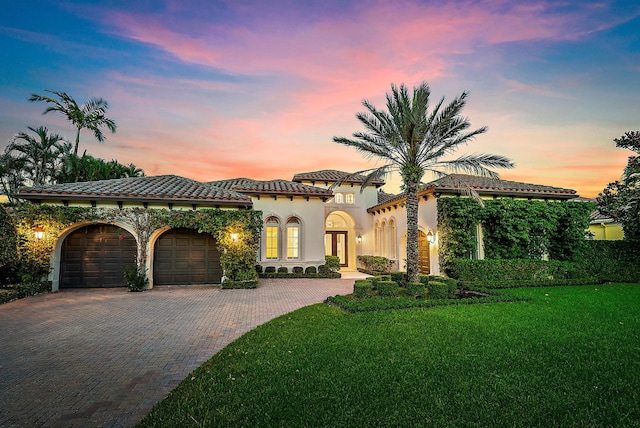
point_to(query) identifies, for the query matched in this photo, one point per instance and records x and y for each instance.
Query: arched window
(392, 239)
(293, 238)
(384, 247)
(376, 238)
(272, 237)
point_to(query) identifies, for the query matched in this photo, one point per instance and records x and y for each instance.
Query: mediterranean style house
(314, 214)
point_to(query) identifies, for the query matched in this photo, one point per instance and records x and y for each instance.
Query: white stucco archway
(56, 255)
(339, 224)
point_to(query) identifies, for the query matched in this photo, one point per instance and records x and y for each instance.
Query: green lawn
(568, 356)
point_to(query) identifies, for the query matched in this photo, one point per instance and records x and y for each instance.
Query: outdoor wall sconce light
(38, 232)
(359, 239)
(430, 237)
(234, 237)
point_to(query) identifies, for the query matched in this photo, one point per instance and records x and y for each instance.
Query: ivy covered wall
(512, 229)
(237, 233)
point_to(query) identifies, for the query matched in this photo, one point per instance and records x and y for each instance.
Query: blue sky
(212, 90)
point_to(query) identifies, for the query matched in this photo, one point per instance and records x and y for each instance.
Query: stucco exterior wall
(310, 213)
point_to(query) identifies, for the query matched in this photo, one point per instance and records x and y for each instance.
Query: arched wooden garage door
(93, 256)
(186, 257)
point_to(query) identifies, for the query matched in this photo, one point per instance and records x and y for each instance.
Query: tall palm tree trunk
(75, 147)
(411, 192)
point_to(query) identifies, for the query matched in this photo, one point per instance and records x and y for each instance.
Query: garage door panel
(93, 256)
(183, 257)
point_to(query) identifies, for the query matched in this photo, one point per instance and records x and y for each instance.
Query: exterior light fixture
(38, 232)
(430, 237)
(359, 239)
(234, 237)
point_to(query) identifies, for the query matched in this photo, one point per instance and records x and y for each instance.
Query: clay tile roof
(484, 185)
(272, 187)
(384, 197)
(454, 183)
(332, 175)
(168, 188)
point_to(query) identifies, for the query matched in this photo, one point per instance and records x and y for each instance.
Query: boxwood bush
(387, 288)
(441, 290)
(375, 264)
(362, 288)
(416, 289)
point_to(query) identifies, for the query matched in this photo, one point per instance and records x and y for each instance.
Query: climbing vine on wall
(237, 233)
(512, 229)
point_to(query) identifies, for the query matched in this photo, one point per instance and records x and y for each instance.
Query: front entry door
(335, 244)
(424, 262)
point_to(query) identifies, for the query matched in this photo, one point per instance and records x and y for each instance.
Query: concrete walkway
(104, 357)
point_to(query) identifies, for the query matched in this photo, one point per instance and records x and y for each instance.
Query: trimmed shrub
(332, 263)
(362, 288)
(416, 289)
(441, 289)
(376, 279)
(375, 263)
(310, 269)
(610, 261)
(387, 288)
(270, 269)
(399, 277)
(258, 269)
(283, 269)
(248, 283)
(297, 269)
(511, 270)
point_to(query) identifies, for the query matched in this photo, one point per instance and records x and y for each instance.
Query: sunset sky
(221, 89)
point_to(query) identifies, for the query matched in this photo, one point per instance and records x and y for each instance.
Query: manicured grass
(567, 356)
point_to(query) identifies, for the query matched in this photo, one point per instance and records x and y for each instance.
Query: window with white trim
(272, 237)
(293, 238)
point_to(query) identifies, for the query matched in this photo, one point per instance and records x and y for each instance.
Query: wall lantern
(38, 232)
(234, 237)
(359, 239)
(430, 237)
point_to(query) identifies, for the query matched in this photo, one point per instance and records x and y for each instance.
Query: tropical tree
(90, 115)
(412, 139)
(87, 168)
(39, 153)
(621, 199)
(12, 174)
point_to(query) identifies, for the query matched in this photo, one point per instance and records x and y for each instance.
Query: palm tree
(40, 154)
(411, 139)
(90, 115)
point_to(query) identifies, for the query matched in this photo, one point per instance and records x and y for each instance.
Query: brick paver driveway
(104, 357)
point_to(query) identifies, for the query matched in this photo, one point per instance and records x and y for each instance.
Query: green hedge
(610, 261)
(387, 288)
(362, 288)
(19, 291)
(416, 289)
(597, 261)
(441, 289)
(353, 304)
(511, 270)
(375, 263)
(274, 274)
(230, 284)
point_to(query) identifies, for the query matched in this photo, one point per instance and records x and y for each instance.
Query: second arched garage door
(186, 257)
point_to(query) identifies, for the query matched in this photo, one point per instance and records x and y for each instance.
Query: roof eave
(140, 199)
